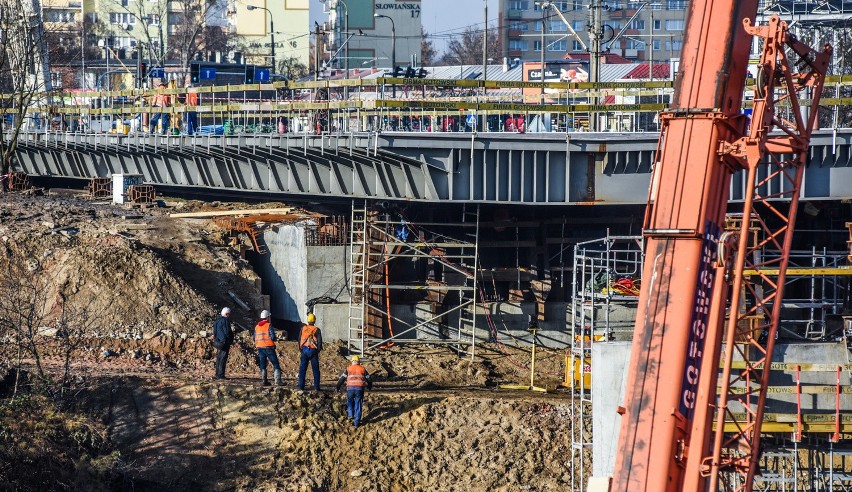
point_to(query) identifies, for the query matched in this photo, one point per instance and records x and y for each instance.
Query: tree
(428, 53)
(24, 73)
(467, 48)
(292, 68)
(189, 21)
(143, 21)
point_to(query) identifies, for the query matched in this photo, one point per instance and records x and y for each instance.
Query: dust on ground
(436, 420)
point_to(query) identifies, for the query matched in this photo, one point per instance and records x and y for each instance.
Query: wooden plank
(223, 213)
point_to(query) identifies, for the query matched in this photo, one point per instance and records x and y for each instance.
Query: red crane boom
(693, 272)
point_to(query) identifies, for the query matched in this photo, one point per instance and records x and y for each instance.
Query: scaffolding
(815, 288)
(444, 298)
(605, 295)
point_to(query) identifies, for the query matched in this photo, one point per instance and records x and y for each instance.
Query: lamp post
(271, 32)
(393, 46)
(393, 40)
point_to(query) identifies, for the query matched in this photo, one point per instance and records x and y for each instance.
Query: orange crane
(681, 430)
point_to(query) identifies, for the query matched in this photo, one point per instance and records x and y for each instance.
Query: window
(658, 24)
(576, 46)
(638, 24)
(578, 25)
(537, 26)
(154, 19)
(536, 45)
(557, 26)
(513, 4)
(561, 46)
(674, 45)
(674, 24)
(519, 26)
(121, 18)
(657, 44)
(518, 45)
(675, 4)
(125, 3)
(633, 44)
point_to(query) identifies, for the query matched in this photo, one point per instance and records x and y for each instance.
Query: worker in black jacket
(223, 338)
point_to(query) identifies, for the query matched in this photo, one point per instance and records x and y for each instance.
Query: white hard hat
(226, 311)
(265, 314)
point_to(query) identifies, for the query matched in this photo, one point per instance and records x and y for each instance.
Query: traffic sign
(157, 73)
(207, 73)
(261, 75)
(471, 120)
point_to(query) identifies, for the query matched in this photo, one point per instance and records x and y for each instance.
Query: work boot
(277, 376)
(263, 377)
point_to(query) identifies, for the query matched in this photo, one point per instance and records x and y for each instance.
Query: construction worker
(160, 100)
(264, 341)
(310, 345)
(190, 118)
(356, 378)
(223, 338)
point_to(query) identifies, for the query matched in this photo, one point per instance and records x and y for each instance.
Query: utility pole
(651, 43)
(595, 33)
(485, 48)
(543, 29)
(317, 34)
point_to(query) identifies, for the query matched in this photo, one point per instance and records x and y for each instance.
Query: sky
(439, 16)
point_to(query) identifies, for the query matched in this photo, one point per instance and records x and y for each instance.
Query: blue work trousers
(354, 398)
(267, 354)
(303, 368)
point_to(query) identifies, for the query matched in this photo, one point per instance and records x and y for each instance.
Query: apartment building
(379, 32)
(638, 31)
(259, 23)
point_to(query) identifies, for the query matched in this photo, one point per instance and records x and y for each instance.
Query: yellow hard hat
(311, 318)
(356, 358)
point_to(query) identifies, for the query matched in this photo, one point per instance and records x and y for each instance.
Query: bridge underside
(490, 168)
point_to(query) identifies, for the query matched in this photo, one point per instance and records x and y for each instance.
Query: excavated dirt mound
(151, 286)
(183, 436)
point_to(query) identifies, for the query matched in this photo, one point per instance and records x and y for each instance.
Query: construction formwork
(606, 278)
(448, 293)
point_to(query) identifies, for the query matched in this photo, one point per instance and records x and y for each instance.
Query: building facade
(655, 33)
(380, 33)
(254, 20)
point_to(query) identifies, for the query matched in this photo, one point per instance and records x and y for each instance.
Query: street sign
(261, 75)
(157, 73)
(471, 120)
(207, 73)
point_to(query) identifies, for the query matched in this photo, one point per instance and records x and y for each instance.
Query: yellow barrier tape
(786, 366)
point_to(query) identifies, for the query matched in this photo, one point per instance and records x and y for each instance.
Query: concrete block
(333, 319)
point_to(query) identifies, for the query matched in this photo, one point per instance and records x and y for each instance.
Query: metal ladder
(467, 305)
(357, 276)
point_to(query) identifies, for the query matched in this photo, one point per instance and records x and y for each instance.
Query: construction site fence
(375, 104)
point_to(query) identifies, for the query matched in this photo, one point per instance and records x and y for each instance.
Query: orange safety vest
(261, 335)
(309, 337)
(192, 99)
(356, 376)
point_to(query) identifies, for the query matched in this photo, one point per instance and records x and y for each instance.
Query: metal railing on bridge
(421, 105)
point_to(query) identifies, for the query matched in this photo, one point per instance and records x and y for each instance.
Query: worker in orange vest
(190, 118)
(310, 345)
(357, 379)
(160, 100)
(264, 341)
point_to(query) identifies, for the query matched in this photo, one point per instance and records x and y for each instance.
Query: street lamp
(346, 30)
(393, 40)
(271, 32)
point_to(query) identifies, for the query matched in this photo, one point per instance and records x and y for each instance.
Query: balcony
(514, 33)
(514, 14)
